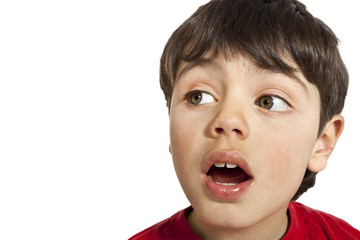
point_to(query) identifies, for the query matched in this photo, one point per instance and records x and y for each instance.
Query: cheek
(180, 137)
(186, 131)
(183, 141)
(285, 156)
(186, 155)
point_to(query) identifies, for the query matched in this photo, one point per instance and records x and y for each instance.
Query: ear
(170, 148)
(325, 144)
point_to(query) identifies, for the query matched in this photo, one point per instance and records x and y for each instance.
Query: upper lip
(225, 156)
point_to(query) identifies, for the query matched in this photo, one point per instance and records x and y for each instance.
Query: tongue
(228, 175)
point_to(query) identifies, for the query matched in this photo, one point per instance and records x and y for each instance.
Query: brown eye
(266, 102)
(199, 98)
(195, 98)
(273, 103)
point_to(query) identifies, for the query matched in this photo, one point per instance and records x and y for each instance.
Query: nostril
(219, 130)
(237, 131)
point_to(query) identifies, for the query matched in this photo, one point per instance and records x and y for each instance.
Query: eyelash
(187, 95)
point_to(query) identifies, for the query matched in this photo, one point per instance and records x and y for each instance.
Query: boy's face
(230, 111)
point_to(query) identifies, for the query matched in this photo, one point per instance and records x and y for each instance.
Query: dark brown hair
(270, 33)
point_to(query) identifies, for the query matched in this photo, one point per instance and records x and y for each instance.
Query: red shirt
(305, 223)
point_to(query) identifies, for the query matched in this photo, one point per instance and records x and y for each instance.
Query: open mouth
(227, 174)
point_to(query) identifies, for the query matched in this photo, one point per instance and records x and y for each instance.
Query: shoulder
(174, 227)
(320, 225)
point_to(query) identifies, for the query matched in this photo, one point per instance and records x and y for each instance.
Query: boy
(255, 89)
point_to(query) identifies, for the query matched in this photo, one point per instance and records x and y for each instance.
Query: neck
(272, 227)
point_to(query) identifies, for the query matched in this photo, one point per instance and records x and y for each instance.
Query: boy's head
(246, 81)
(272, 34)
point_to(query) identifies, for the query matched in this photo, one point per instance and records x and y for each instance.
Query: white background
(84, 127)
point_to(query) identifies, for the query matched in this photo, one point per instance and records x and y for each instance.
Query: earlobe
(170, 148)
(325, 143)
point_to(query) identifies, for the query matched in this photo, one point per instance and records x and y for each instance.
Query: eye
(198, 98)
(273, 103)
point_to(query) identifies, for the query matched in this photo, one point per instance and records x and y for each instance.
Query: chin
(226, 215)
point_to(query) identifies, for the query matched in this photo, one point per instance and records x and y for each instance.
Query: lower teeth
(224, 184)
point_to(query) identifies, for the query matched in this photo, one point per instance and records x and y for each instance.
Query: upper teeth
(228, 165)
(220, 164)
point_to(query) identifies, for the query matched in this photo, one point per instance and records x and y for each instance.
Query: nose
(230, 121)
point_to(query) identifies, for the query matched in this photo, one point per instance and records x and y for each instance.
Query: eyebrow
(202, 62)
(291, 76)
(210, 63)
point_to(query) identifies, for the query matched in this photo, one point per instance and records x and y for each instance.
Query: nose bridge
(231, 118)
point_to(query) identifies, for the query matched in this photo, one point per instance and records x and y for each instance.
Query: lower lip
(222, 192)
